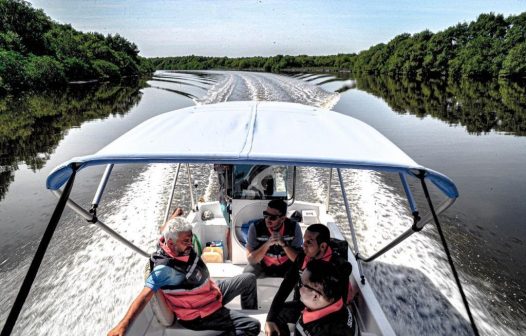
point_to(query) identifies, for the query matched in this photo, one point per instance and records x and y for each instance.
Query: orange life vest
(275, 255)
(197, 296)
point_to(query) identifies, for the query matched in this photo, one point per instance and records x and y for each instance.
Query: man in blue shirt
(184, 281)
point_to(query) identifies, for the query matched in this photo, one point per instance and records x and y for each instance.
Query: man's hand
(277, 239)
(117, 331)
(135, 308)
(257, 255)
(271, 328)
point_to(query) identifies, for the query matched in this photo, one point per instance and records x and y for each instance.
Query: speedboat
(265, 143)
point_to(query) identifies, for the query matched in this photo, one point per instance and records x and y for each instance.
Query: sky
(241, 28)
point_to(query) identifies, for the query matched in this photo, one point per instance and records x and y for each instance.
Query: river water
(472, 132)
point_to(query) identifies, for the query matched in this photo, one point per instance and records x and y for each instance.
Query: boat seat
(160, 309)
(244, 231)
(246, 215)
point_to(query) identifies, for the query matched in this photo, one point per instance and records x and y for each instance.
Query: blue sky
(265, 28)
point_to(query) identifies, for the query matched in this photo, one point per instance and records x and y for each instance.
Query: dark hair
(324, 235)
(326, 274)
(279, 205)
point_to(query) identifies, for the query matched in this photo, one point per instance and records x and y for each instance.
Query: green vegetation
(490, 47)
(269, 64)
(36, 52)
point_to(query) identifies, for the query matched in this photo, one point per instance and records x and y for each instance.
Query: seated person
(315, 247)
(273, 242)
(184, 281)
(325, 312)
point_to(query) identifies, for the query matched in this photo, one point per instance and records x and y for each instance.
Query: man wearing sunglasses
(325, 313)
(273, 242)
(316, 246)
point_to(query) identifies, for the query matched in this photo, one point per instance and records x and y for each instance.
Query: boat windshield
(260, 182)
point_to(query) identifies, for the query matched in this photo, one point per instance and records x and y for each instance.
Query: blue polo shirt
(163, 275)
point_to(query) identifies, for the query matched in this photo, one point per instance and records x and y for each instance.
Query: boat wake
(237, 86)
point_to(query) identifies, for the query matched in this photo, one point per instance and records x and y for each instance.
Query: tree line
(276, 63)
(36, 52)
(492, 46)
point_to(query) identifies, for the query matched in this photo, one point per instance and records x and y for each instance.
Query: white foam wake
(238, 85)
(91, 288)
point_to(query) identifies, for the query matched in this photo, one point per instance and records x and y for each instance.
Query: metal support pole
(408, 193)
(39, 256)
(102, 185)
(85, 214)
(415, 228)
(328, 200)
(351, 226)
(293, 198)
(448, 254)
(190, 185)
(167, 212)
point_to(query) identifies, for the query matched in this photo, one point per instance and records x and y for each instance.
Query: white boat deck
(267, 287)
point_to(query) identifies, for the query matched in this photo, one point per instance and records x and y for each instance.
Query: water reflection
(31, 125)
(481, 107)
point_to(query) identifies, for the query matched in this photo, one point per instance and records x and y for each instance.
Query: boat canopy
(255, 132)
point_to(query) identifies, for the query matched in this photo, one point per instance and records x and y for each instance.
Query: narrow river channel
(474, 134)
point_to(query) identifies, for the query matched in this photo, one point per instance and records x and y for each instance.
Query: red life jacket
(326, 257)
(334, 320)
(197, 296)
(329, 256)
(275, 255)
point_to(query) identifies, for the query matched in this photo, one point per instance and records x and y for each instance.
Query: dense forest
(36, 52)
(492, 46)
(489, 47)
(277, 63)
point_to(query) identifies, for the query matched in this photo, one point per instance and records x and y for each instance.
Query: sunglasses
(301, 284)
(266, 215)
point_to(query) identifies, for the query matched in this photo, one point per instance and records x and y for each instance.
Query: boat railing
(349, 218)
(172, 193)
(416, 227)
(91, 215)
(328, 200)
(418, 223)
(90, 218)
(190, 184)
